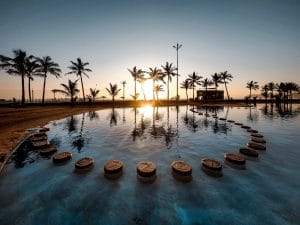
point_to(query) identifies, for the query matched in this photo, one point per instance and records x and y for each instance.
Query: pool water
(35, 191)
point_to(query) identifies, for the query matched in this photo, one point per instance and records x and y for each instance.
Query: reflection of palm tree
(71, 123)
(136, 73)
(79, 68)
(186, 85)
(47, 66)
(168, 71)
(69, 90)
(15, 66)
(194, 80)
(93, 115)
(113, 91)
(79, 141)
(225, 76)
(113, 117)
(158, 88)
(252, 85)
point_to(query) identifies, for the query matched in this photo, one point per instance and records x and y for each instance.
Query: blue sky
(253, 40)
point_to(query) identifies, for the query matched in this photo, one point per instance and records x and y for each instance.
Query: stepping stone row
(39, 141)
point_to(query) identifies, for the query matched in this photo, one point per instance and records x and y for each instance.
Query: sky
(253, 40)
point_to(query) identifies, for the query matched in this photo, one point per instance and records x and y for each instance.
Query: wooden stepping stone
(235, 158)
(245, 127)
(48, 151)
(256, 146)
(222, 119)
(230, 121)
(41, 138)
(40, 144)
(39, 134)
(62, 157)
(146, 169)
(182, 168)
(207, 115)
(249, 152)
(84, 163)
(211, 164)
(44, 129)
(215, 117)
(239, 124)
(252, 131)
(258, 140)
(256, 135)
(113, 167)
(200, 114)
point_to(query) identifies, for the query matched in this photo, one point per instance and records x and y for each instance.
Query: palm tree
(94, 92)
(156, 75)
(226, 77)
(113, 91)
(141, 79)
(136, 73)
(79, 68)
(271, 87)
(31, 70)
(123, 83)
(16, 66)
(264, 91)
(291, 86)
(282, 89)
(186, 85)
(252, 85)
(158, 88)
(206, 83)
(194, 79)
(216, 78)
(45, 66)
(70, 90)
(169, 71)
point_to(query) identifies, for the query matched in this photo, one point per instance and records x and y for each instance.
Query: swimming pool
(35, 191)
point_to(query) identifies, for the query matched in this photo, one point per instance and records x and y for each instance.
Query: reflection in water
(79, 140)
(253, 115)
(113, 118)
(93, 115)
(25, 155)
(71, 123)
(282, 110)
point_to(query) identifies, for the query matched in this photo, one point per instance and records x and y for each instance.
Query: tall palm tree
(186, 85)
(156, 75)
(123, 83)
(47, 66)
(206, 83)
(282, 89)
(94, 92)
(70, 90)
(141, 79)
(31, 70)
(194, 80)
(252, 85)
(16, 66)
(264, 91)
(271, 88)
(157, 89)
(113, 91)
(169, 71)
(216, 78)
(136, 73)
(291, 86)
(226, 77)
(79, 68)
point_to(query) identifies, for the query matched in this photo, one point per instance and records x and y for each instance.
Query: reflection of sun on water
(147, 111)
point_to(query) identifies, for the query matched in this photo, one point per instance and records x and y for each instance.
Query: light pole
(177, 47)
(123, 83)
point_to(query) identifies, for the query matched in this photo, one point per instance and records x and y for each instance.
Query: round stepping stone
(258, 140)
(239, 124)
(182, 168)
(245, 127)
(41, 138)
(235, 158)
(211, 164)
(252, 131)
(256, 146)
(222, 119)
(200, 114)
(230, 121)
(44, 129)
(256, 135)
(48, 150)
(84, 163)
(62, 157)
(39, 134)
(113, 167)
(146, 169)
(248, 152)
(40, 144)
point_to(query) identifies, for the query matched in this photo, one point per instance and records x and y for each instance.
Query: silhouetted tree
(264, 91)
(206, 83)
(113, 91)
(141, 79)
(16, 66)
(186, 85)
(156, 75)
(94, 92)
(47, 66)
(194, 80)
(136, 73)
(123, 83)
(158, 88)
(225, 76)
(31, 70)
(70, 90)
(271, 88)
(79, 68)
(217, 79)
(252, 85)
(168, 71)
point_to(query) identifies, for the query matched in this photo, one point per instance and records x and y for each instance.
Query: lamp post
(177, 47)
(123, 83)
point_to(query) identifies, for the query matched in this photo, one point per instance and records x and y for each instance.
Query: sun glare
(147, 111)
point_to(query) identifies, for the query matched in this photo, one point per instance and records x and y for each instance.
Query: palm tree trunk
(29, 89)
(168, 89)
(23, 90)
(157, 96)
(153, 84)
(193, 92)
(250, 92)
(135, 89)
(226, 89)
(186, 93)
(82, 88)
(44, 86)
(205, 92)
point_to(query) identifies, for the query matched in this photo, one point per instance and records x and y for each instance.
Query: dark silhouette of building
(210, 94)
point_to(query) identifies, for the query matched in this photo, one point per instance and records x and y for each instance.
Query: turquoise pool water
(35, 191)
